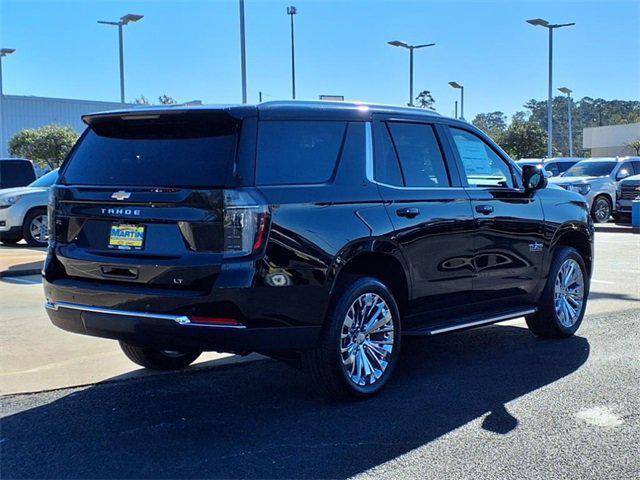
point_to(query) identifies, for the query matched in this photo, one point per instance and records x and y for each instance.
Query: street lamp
(128, 18)
(3, 53)
(243, 55)
(567, 91)
(461, 88)
(411, 48)
(291, 11)
(539, 22)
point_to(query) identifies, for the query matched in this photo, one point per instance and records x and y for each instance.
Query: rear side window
(420, 157)
(298, 152)
(16, 173)
(177, 152)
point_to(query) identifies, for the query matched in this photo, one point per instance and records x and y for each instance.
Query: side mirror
(533, 177)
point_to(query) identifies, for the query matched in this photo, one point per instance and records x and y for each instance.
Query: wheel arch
(578, 237)
(378, 260)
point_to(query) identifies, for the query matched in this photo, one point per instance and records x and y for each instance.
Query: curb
(19, 273)
(616, 228)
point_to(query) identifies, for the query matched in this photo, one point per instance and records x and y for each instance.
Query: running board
(451, 327)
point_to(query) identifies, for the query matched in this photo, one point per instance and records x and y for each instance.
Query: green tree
(493, 124)
(635, 144)
(524, 139)
(425, 100)
(47, 146)
(586, 112)
(166, 100)
(142, 100)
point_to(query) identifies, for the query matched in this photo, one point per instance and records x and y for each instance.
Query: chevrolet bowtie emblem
(121, 195)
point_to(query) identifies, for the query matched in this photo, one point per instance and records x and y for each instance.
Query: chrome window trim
(370, 166)
(179, 319)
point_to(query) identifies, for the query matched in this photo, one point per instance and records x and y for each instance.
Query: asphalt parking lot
(489, 403)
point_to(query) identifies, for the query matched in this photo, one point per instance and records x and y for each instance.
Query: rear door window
(420, 156)
(298, 152)
(175, 152)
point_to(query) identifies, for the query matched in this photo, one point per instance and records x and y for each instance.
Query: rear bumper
(163, 331)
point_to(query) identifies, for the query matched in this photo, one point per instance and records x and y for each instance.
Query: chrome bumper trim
(180, 319)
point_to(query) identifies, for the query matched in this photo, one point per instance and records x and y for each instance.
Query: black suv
(312, 232)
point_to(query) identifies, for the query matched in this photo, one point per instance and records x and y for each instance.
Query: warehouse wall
(20, 112)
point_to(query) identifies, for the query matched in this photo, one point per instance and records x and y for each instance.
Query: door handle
(409, 212)
(484, 209)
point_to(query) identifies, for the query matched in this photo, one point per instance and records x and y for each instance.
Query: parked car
(314, 232)
(16, 172)
(628, 191)
(555, 166)
(597, 180)
(23, 212)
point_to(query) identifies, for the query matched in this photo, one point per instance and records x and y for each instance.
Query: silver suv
(597, 180)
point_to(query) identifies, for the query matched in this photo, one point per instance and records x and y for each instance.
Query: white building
(612, 140)
(18, 112)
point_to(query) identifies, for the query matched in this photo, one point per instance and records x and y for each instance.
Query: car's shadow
(262, 420)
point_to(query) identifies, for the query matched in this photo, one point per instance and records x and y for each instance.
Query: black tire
(622, 218)
(545, 323)
(601, 204)
(26, 227)
(158, 359)
(324, 364)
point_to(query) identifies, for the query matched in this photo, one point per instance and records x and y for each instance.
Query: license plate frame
(126, 236)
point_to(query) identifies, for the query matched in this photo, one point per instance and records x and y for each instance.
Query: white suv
(597, 180)
(23, 212)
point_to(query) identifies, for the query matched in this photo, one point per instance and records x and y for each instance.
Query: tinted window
(294, 152)
(552, 168)
(591, 169)
(46, 180)
(636, 167)
(482, 166)
(180, 152)
(626, 169)
(564, 166)
(16, 173)
(420, 158)
(387, 168)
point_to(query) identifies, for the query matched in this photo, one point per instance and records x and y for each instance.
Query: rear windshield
(176, 152)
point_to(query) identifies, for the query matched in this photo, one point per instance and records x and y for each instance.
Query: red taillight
(262, 232)
(246, 222)
(214, 321)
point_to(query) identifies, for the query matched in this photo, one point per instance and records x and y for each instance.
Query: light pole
(461, 88)
(243, 55)
(291, 11)
(539, 22)
(567, 91)
(128, 18)
(3, 53)
(411, 48)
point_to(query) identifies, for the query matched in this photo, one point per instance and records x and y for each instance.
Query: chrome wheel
(38, 229)
(367, 339)
(569, 293)
(602, 210)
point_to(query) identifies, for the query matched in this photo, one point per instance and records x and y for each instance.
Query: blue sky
(190, 50)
